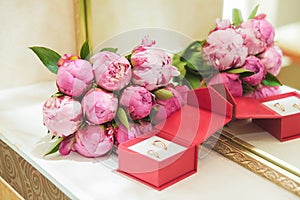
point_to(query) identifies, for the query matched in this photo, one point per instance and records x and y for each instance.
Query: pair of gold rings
(282, 108)
(159, 144)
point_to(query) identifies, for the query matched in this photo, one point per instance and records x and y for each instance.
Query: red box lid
(247, 107)
(205, 113)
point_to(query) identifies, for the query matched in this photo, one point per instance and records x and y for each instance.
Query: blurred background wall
(51, 24)
(32, 23)
(193, 18)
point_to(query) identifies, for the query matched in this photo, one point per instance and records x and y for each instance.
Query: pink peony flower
(93, 141)
(272, 59)
(223, 24)
(164, 108)
(62, 115)
(258, 34)
(152, 67)
(74, 78)
(99, 106)
(254, 64)
(224, 49)
(263, 91)
(123, 134)
(137, 101)
(112, 71)
(232, 82)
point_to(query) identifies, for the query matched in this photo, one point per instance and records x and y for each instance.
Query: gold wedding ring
(160, 144)
(281, 107)
(153, 153)
(296, 106)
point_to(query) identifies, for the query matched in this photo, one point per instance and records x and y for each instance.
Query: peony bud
(99, 106)
(272, 59)
(62, 115)
(93, 141)
(152, 67)
(137, 101)
(258, 34)
(224, 49)
(112, 71)
(74, 78)
(254, 64)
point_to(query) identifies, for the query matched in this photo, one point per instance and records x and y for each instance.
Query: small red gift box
(282, 124)
(205, 112)
(281, 117)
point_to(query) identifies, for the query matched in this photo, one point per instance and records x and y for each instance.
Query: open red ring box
(283, 127)
(205, 113)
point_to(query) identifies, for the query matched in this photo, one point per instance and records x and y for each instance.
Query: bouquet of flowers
(241, 54)
(107, 98)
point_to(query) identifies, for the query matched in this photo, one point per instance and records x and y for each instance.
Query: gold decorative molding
(7, 192)
(82, 20)
(235, 152)
(24, 178)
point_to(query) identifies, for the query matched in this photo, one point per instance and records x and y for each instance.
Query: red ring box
(284, 128)
(205, 113)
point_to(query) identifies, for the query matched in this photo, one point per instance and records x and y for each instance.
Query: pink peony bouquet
(241, 54)
(107, 99)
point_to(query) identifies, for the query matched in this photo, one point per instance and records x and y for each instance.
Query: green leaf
(121, 114)
(48, 57)
(253, 12)
(271, 80)
(114, 50)
(54, 147)
(85, 51)
(128, 57)
(180, 65)
(194, 61)
(193, 80)
(163, 94)
(237, 17)
(239, 71)
(58, 94)
(246, 74)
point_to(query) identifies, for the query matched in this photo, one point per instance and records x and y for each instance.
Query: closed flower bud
(99, 106)
(62, 115)
(112, 71)
(74, 78)
(152, 67)
(93, 141)
(137, 101)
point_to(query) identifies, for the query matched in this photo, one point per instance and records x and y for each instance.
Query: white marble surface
(80, 178)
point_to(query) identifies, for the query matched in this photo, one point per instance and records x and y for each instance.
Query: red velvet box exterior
(205, 112)
(282, 127)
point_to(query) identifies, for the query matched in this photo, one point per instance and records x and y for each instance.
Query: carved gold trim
(276, 161)
(235, 152)
(24, 178)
